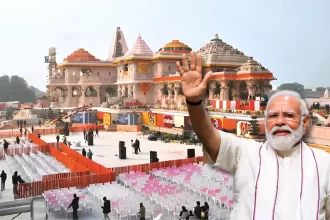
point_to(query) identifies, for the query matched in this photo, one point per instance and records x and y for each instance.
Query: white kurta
(240, 157)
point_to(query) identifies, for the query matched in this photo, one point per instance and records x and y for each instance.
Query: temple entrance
(230, 90)
(75, 92)
(111, 91)
(260, 89)
(108, 92)
(90, 92)
(58, 94)
(243, 92)
(217, 90)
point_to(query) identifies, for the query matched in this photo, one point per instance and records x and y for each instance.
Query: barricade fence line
(74, 129)
(45, 131)
(79, 180)
(36, 188)
(148, 167)
(84, 171)
(10, 134)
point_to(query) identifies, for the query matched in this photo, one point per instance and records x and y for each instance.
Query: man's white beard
(286, 142)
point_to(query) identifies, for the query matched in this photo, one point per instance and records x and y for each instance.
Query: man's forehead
(284, 103)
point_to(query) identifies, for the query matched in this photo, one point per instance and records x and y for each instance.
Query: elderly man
(280, 179)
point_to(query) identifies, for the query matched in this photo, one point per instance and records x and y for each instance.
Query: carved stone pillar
(176, 90)
(83, 95)
(251, 87)
(235, 90)
(119, 90)
(224, 93)
(98, 95)
(69, 96)
(171, 90)
(123, 90)
(134, 90)
(129, 90)
(212, 85)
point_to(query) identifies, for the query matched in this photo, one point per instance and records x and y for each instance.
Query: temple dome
(218, 51)
(139, 48)
(252, 66)
(81, 55)
(175, 46)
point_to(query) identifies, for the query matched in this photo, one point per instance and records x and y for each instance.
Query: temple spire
(118, 45)
(139, 48)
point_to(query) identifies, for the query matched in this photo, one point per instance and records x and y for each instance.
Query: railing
(33, 189)
(150, 166)
(84, 170)
(211, 111)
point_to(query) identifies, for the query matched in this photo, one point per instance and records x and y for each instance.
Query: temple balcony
(210, 110)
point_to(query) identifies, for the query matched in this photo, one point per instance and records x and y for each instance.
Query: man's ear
(306, 122)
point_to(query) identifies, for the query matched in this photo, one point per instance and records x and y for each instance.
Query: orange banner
(145, 87)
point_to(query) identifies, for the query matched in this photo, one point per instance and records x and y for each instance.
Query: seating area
(201, 180)
(163, 193)
(57, 202)
(32, 166)
(18, 149)
(184, 186)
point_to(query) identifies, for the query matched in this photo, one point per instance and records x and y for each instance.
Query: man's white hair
(303, 107)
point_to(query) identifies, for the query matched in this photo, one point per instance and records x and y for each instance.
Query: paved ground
(106, 147)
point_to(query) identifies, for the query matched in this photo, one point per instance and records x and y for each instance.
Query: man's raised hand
(193, 85)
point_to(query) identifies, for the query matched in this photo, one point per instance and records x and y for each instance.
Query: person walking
(137, 142)
(75, 206)
(15, 184)
(5, 145)
(90, 154)
(142, 212)
(3, 176)
(106, 208)
(83, 152)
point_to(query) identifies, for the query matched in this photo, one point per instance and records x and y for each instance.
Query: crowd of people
(106, 208)
(135, 146)
(16, 180)
(200, 212)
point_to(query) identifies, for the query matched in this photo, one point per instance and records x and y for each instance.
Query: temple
(138, 77)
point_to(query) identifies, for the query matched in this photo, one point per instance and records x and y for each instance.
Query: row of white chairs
(124, 201)
(32, 167)
(57, 202)
(203, 180)
(170, 204)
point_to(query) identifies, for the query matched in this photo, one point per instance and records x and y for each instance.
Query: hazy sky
(289, 37)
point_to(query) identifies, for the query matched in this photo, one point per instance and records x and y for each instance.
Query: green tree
(320, 89)
(254, 126)
(59, 116)
(15, 88)
(4, 88)
(299, 88)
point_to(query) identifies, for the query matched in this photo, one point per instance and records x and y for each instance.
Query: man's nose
(280, 120)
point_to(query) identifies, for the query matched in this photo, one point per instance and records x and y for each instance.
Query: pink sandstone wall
(318, 135)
